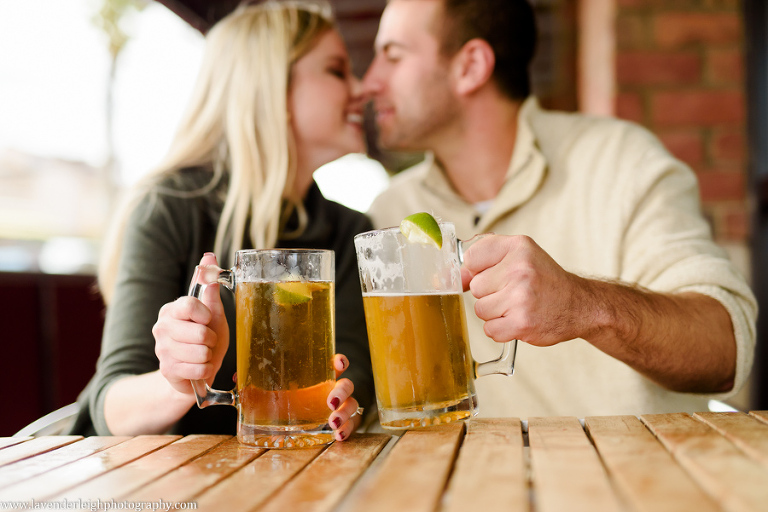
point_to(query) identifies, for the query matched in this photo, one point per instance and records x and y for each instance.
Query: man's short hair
(509, 27)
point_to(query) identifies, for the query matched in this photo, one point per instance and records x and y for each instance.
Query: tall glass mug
(285, 345)
(417, 330)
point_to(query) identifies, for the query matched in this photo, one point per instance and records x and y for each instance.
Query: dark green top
(165, 238)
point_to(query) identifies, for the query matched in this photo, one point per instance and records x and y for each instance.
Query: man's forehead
(405, 21)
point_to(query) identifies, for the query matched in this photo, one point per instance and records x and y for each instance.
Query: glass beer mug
(417, 330)
(285, 345)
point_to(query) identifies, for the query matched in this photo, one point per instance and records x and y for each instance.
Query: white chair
(52, 424)
(718, 406)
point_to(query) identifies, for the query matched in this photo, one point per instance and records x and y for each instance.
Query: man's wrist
(608, 310)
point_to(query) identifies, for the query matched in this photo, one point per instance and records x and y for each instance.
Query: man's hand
(521, 292)
(682, 341)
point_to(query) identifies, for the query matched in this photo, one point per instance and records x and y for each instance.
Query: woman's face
(325, 104)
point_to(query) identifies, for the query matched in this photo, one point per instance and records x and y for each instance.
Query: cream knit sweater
(605, 200)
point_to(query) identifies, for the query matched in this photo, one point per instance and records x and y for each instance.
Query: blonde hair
(237, 124)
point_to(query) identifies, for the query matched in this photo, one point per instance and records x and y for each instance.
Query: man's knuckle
(480, 310)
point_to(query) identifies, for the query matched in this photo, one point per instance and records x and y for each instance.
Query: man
(602, 255)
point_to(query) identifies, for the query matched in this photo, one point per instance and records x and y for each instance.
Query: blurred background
(91, 91)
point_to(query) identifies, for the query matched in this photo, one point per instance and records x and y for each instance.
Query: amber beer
(286, 330)
(417, 329)
(285, 345)
(421, 357)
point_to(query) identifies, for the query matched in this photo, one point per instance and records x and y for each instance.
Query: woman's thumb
(209, 259)
(210, 296)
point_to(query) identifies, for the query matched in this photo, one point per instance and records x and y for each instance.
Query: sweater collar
(526, 171)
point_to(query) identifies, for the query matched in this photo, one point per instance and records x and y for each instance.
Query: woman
(274, 101)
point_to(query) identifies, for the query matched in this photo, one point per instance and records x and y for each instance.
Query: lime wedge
(422, 228)
(293, 292)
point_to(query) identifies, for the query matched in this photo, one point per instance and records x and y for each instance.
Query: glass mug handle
(203, 276)
(505, 364)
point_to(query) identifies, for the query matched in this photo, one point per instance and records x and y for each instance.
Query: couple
(602, 255)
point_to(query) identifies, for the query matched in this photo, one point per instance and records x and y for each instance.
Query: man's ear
(472, 66)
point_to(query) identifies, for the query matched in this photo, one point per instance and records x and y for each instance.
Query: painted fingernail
(335, 402)
(336, 422)
(342, 436)
(343, 364)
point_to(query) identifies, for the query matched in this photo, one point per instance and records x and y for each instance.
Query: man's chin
(393, 144)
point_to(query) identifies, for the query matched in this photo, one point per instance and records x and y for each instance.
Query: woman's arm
(191, 339)
(144, 404)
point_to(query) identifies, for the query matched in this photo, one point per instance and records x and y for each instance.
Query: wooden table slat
(326, 479)
(62, 478)
(557, 447)
(746, 432)
(495, 444)
(127, 478)
(11, 441)
(34, 447)
(414, 474)
(661, 463)
(720, 468)
(761, 415)
(189, 480)
(27, 468)
(262, 478)
(658, 484)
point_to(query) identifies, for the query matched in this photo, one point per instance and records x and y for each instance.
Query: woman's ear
(472, 66)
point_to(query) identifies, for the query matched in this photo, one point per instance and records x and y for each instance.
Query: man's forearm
(684, 342)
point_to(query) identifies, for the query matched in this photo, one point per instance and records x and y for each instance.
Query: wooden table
(665, 462)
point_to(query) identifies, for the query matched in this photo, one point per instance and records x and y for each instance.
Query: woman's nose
(356, 86)
(371, 84)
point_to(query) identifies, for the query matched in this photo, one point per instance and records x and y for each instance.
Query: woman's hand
(192, 337)
(345, 418)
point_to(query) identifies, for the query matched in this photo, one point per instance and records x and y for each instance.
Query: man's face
(408, 79)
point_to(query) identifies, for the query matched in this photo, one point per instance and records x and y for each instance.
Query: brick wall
(680, 72)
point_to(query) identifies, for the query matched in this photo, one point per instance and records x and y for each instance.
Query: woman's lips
(355, 118)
